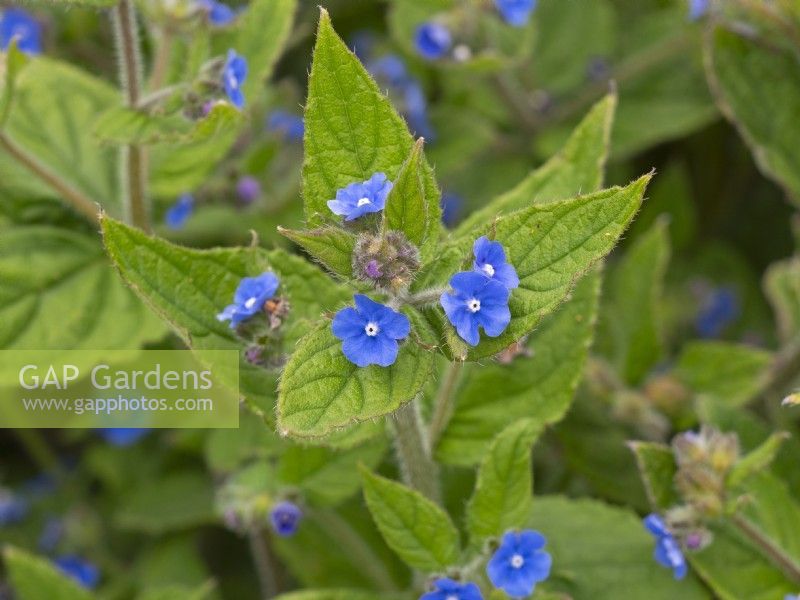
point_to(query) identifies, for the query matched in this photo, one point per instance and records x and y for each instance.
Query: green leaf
(59, 293)
(227, 449)
(177, 592)
(124, 125)
(630, 318)
(331, 246)
(757, 86)
(577, 168)
(756, 460)
(352, 131)
(56, 129)
(263, 31)
(503, 491)
(729, 373)
(782, 288)
(551, 246)
(406, 206)
(320, 390)
(12, 61)
(420, 532)
(188, 288)
(335, 595)
(327, 476)
(34, 578)
(734, 569)
(657, 468)
(539, 387)
(604, 553)
(180, 501)
(772, 509)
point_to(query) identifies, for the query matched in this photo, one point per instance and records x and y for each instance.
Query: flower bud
(388, 261)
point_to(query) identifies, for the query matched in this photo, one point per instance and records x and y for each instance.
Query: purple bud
(248, 189)
(373, 269)
(285, 517)
(693, 541)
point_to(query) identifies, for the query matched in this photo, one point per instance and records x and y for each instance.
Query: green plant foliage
(34, 578)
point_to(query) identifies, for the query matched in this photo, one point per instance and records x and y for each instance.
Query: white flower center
(517, 561)
(250, 302)
(371, 329)
(452, 597)
(462, 53)
(473, 305)
(362, 201)
(488, 269)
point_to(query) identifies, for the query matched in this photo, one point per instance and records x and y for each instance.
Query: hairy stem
(262, 560)
(776, 554)
(133, 156)
(445, 404)
(413, 453)
(425, 297)
(158, 73)
(74, 197)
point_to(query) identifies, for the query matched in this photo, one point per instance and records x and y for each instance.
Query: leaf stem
(262, 560)
(425, 297)
(74, 197)
(776, 554)
(413, 453)
(445, 403)
(133, 156)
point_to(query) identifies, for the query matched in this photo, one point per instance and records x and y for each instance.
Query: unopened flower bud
(389, 261)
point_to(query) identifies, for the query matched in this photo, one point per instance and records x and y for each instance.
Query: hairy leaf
(657, 468)
(34, 578)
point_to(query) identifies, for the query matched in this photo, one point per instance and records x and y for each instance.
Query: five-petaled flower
(370, 331)
(82, 571)
(668, 551)
(432, 40)
(233, 75)
(285, 518)
(15, 22)
(519, 563)
(448, 589)
(490, 259)
(515, 12)
(249, 298)
(360, 198)
(177, 214)
(218, 12)
(478, 301)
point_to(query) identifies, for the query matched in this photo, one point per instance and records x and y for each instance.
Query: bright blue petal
(468, 283)
(432, 40)
(655, 525)
(394, 325)
(494, 319)
(530, 541)
(384, 350)
(507, 275)
(348, 323)
(358, 350)
(368, 308)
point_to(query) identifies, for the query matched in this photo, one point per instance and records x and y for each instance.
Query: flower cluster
(480, 297)
(250, 298)
(361, 198)
(668, 551)
(15, 22)
(387, 260)
(518, 564)
(370, 332)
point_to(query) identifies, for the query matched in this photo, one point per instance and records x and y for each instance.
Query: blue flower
(290, 126)
(233, 75)
(123, 436)
(478, 301)
(447, 589)
(698, 9)
(416, 111)
(249, 298)
(667, 552)
(519, 563)
(248, 189)
(82, 571)
(369, 332)
(516, 12)
(721, 307)
(358, 199)
(284, 518)
(451, 208)
(432, 40)
(13, 508)
(177, 214)
(490, 259)
(218, 12)
(19, 23)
